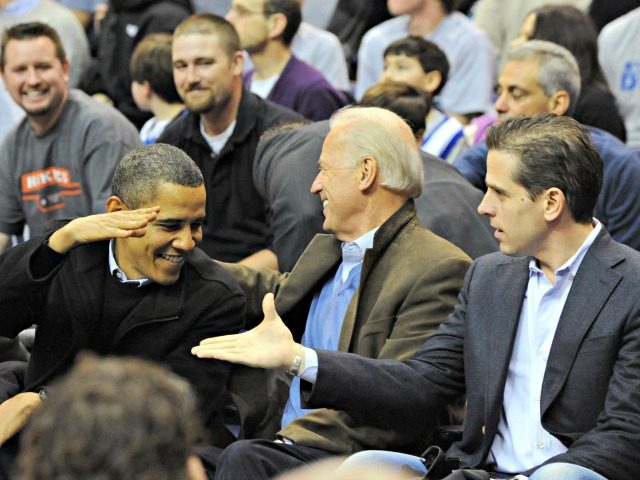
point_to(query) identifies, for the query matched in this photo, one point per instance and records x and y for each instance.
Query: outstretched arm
(120, 224)
(269, 345)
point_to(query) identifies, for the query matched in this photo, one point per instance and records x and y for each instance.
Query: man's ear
(237, 62)
(115, 204)
(554, 203)
(66, 67)
(432, 81)
(368, 173)
(559, 102)
(277, 23)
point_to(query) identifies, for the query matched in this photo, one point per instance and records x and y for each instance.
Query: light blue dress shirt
(328, 307)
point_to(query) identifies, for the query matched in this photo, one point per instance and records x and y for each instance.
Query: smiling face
(160, 254)
(337, 184)
(36, 79)
(519, 221)
(204, 74)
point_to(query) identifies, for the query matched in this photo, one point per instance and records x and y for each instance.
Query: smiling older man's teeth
(325, 203)
(172, 258)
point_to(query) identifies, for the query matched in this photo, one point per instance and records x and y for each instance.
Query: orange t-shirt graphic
(48, 187)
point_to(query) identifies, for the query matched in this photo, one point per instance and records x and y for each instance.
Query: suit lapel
(383, 238)
(511, 279)
(591, 288)
(317, 262)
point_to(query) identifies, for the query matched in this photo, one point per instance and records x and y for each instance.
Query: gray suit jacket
(591, 388)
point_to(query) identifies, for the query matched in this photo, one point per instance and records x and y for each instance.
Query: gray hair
(386, 137)
(139, 173)
(558, 69)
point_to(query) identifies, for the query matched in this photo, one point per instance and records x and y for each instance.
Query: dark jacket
(67, 304)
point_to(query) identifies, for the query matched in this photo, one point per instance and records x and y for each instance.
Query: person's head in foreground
(112, 419)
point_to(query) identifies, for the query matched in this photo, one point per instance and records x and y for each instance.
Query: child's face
(139, 92)
(401, 68)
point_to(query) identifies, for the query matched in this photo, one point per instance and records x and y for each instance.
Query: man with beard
(221, 133)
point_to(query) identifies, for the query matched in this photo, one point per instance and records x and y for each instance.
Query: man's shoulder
(266, 113)
(613, 254)
(85, 109)
(421, 242)
(208, 271)
(609, 146)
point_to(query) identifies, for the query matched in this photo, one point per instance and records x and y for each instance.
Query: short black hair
(553, 152)
(291, 10)
(139, 173)
(430, 56)
(151, 62)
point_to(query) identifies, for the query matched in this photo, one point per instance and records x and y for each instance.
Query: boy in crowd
(152, 85)
(423, 65)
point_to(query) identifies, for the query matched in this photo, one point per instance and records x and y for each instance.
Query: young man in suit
(543, 341)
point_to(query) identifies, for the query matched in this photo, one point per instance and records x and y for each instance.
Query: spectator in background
(619, 44)
(126, 23)
(221, 132)
(572, 28)
(266, 29)
(153, 88)
(114, 419)
(321, 49)
(423, 65)
(62, 20)
(469, 51)
(59, 161)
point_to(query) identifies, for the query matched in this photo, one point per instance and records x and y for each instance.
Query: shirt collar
(573, 264)
(353, 252)
(117, 272)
